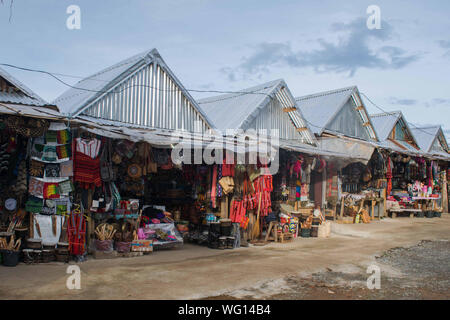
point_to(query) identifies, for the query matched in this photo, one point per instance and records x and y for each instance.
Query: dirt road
(332, 268)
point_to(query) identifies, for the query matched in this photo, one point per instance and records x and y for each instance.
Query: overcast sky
(230, 45)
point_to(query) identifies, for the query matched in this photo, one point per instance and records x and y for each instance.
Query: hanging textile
(214, 185)
(389, 176)
(87, 171)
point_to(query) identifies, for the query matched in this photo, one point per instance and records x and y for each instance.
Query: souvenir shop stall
(35, 188)
(414, 185)
(361, 190)
(234, 201)
(298, 197)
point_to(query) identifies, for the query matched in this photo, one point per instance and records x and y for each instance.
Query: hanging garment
(219, 176)
(51, 190)
(36, 187)
(87, 171)
(389, 176)
(63, 137)
(66, 169)
(51, 136)
(52, 170)
(90, 148)
(64, 151)
(76, 231)
(214, 186)
(49, 153)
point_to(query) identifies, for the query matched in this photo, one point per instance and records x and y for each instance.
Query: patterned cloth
(64, 151)
(89, 148)
(37, 150)
(87, 171)
(66, 169)
(51, 190)
(49, 153)
(219, 176)
(36, 168)
(52, 170)
(64, 137)
(36, 187)
(34, 204)
(51, 137)
(66, 187)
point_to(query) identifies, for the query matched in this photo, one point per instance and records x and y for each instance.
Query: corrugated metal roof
(425, 136)
(132, 86)
(385, 122)
(29, 111)
(23, 95)
(321, 108)
(239, 110)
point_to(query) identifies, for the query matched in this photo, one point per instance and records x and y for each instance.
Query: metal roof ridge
(325, 93)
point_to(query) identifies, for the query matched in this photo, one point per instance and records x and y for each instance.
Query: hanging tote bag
(106, 170)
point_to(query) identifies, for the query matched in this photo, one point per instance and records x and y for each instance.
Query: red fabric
(227, 169)
(87, 171)
(214, 185)
(389, 177)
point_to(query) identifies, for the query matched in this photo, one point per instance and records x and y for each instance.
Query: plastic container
(10, 258)
(305, 233)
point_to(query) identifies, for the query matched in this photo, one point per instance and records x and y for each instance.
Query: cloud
(403, 102)
(351, 52)
(445, 44)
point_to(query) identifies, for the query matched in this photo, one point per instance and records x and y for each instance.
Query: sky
(231, 45)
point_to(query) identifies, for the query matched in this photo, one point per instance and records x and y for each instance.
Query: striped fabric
(90, 147)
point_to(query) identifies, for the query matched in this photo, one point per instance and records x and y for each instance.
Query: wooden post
(383, 195)
(444, 195)
(342, 209)
(373, 209)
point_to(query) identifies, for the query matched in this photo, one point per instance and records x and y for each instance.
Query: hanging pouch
(106, 169)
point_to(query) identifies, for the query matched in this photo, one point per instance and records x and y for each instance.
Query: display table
(425, 203)
(411, 212)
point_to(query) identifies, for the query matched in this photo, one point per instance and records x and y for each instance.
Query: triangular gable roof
(320, 109)
(20, 94)
(426, 137)
(124, 92)
(238, 110)
(385, 122)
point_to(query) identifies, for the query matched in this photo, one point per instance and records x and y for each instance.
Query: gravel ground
(418, 272)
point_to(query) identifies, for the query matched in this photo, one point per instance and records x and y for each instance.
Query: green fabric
(34, 205)
(51, 136)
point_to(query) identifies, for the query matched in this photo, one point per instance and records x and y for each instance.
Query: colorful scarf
(36, 187)
(51, 137)
(66, 169)
(49, 153)
(64, 136)
(64, 151)
(51, 190)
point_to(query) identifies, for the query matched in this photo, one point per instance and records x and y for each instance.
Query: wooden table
(411, 212)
